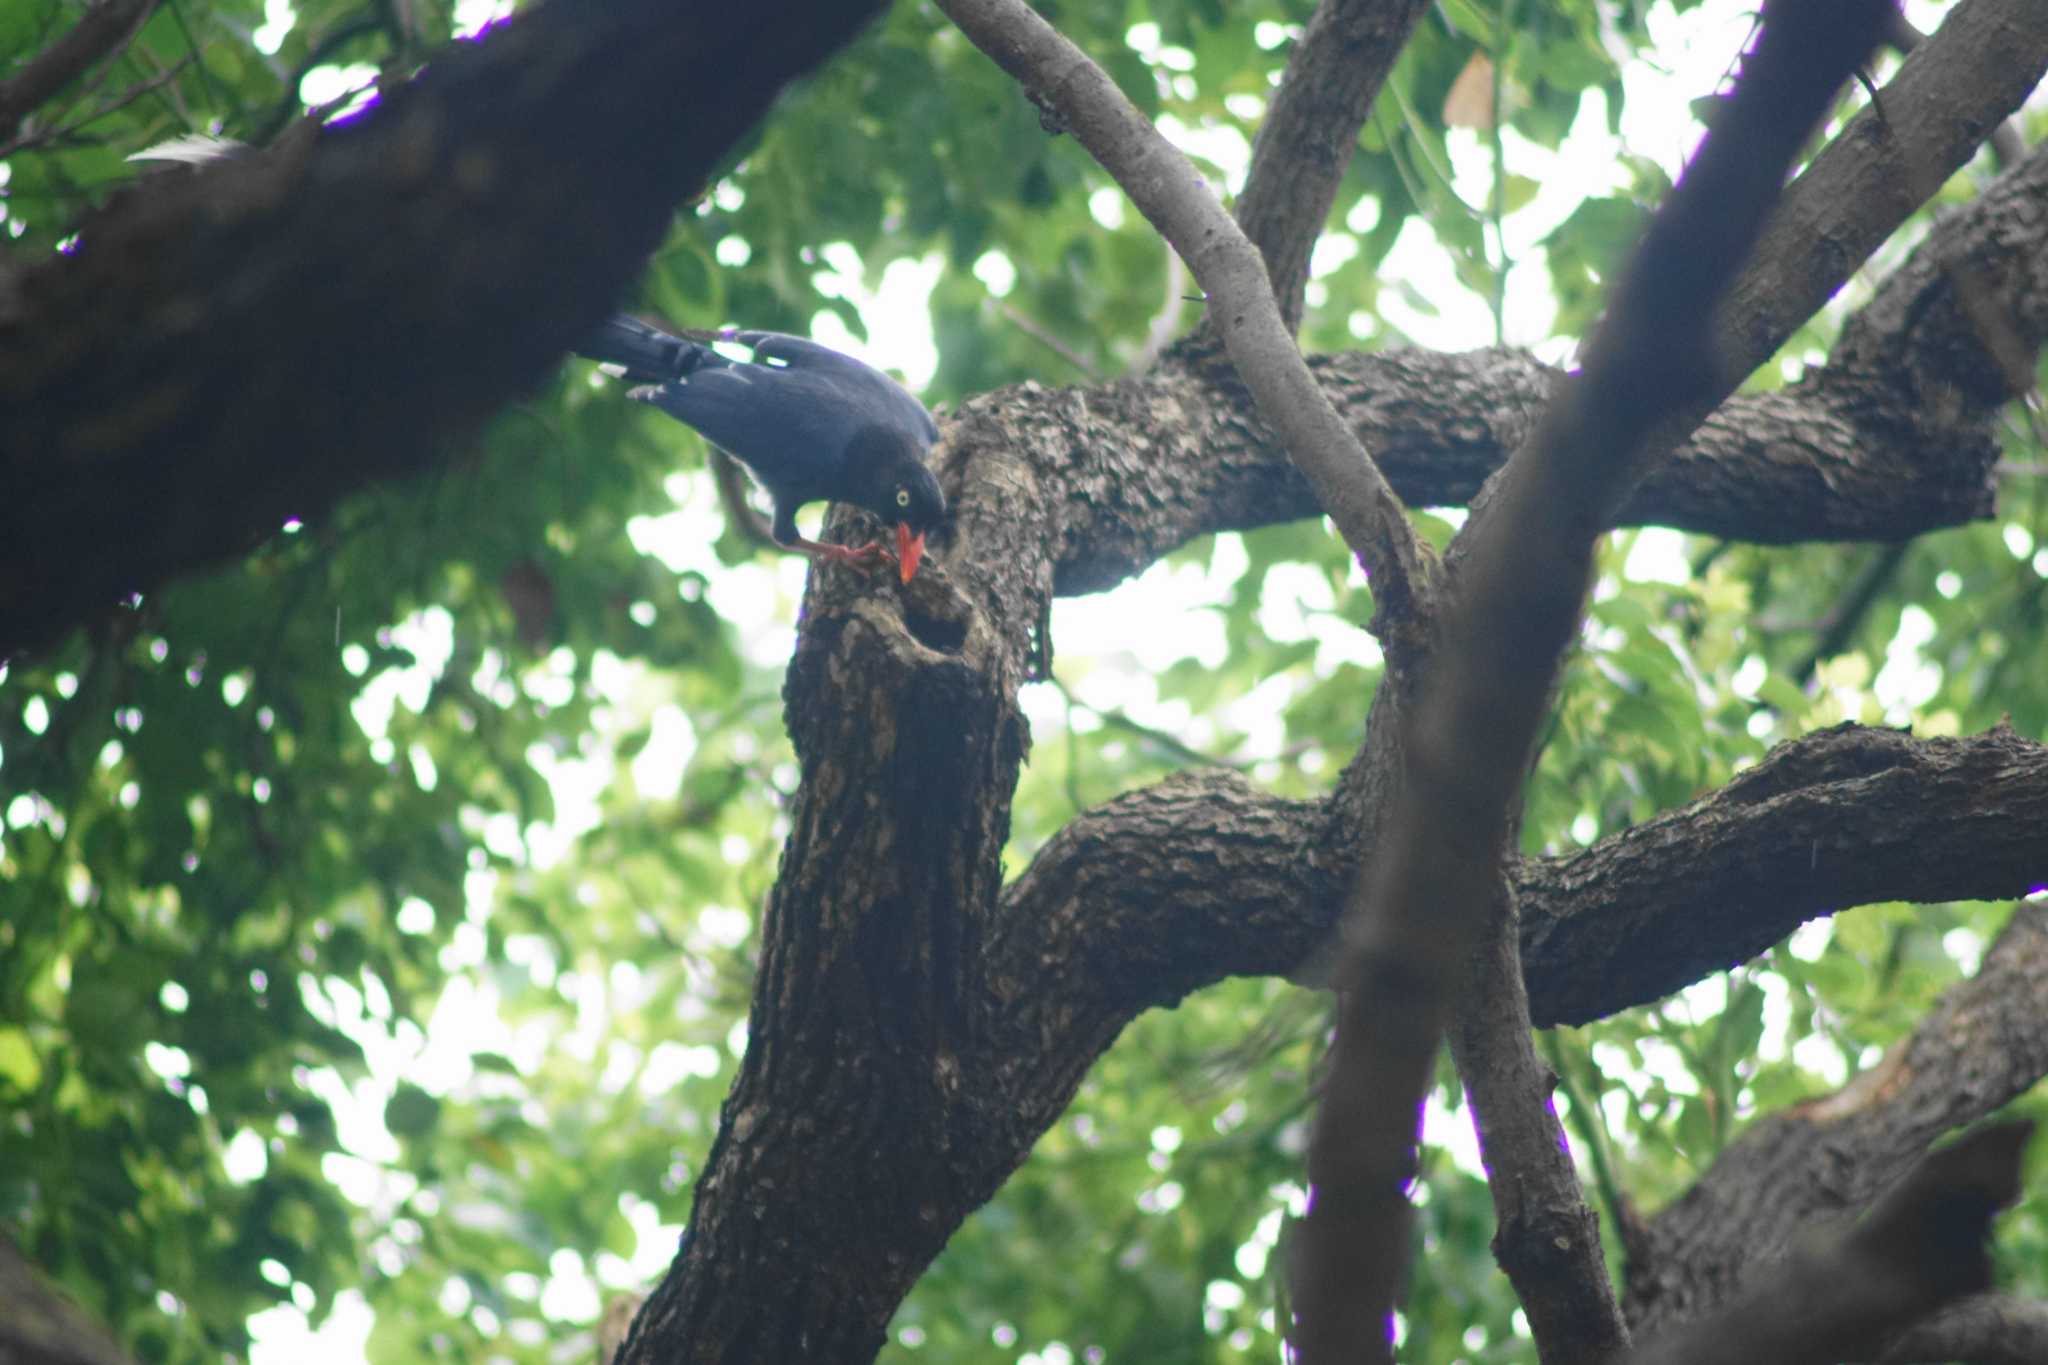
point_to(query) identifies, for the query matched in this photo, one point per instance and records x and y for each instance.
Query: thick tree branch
(250, 341)
(1947, 97)
(1307, 139)
(105, 27)
(1844, 817)
(2006, 143)
(41, 1326)
(1896, 436)
(1985, 1329)
(1983, 1044)
(1176, 200)
(1201, 877)
(1845, 1288)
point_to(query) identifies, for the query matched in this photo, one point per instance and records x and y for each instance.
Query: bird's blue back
(792, 423)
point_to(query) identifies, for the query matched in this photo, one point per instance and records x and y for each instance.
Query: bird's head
(915, 505)
(886, 474)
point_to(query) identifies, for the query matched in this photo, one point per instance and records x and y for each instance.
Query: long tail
(647, 354)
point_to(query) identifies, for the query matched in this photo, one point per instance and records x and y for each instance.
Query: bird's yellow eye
(903, 497)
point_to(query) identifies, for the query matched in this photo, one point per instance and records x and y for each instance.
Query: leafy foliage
(375, 915)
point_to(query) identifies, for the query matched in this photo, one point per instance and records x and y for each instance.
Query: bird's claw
(867, 558)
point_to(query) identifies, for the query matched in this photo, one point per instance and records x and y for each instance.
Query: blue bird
(809, 422)
(806, 420)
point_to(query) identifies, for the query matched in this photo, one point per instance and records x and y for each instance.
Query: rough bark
(1985, 1329)
(39, 1326)
(1844, 817)
(1845, 1286)
(916, 1027)
(1546, 1236)
(1986, 1042)
(103, 28)
(1309, 134)
(246, 343)
(1638, 915)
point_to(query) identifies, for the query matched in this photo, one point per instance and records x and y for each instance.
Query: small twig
(58, 136)
(1841, 623)
(1037, 332)
(1165, 322)
(1585, 1117)
(730, 479)
(103, 29)
(213, 96)
(1120, 720)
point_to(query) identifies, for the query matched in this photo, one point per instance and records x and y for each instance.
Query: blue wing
(792, 418)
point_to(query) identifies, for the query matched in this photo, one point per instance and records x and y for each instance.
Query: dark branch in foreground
(103, 28)
(1842, 1290)
(1419, 908)
(1983, 1044)
(248, 342)
(1985, 1329)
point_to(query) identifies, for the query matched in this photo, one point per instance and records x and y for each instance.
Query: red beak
(909, 550)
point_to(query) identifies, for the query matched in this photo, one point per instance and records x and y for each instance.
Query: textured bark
(1847, 1285)
(1984, 1044)
(1844, 817)
(104, 27)
(1546, 1236)
(1987, 1329)
(1836, 819)
(39, 1326)
(1309, 134)
(872, 934)
(239, 345)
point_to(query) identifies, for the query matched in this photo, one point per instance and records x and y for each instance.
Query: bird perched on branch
(807, 421)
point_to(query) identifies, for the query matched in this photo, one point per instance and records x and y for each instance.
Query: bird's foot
(866, 558)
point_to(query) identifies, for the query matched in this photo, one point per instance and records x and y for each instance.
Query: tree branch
(1984, 1043)
(1818, 825)
(1986, 1329)
(167, 402)
(1174, 887)
(1947, 97)
(1896, 436)
(1419, 907)
(1546, 1237)
(105, 27)
(1307, 139)
(1841, 1290)
(1181, 205)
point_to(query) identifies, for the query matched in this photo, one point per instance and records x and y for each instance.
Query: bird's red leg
(866, 558)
